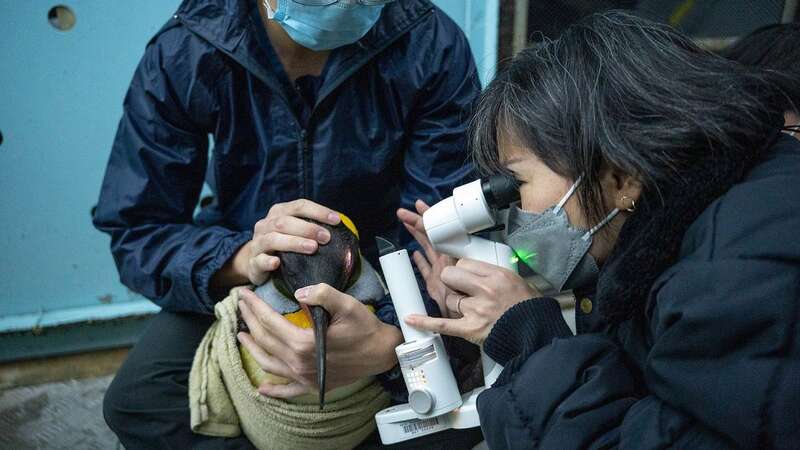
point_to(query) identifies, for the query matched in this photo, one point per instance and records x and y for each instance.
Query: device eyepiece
(500, 191)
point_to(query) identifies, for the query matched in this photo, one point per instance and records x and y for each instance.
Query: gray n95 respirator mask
(551, 246)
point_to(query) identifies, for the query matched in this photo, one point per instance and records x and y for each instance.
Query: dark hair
(621, 91)
(773, 47)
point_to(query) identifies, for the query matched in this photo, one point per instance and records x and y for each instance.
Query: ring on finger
(458, 305)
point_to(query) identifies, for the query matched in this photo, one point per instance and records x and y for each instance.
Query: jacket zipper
(305, 158)
(305, 151)
(323, 95)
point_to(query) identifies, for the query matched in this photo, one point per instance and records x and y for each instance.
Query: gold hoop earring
(631, 208)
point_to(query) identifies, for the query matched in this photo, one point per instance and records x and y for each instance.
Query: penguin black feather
(337, 264)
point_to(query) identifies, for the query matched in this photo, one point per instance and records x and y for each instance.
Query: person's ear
(620, 190)
(628, 191)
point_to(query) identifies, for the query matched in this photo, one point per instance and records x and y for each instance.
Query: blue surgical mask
(550, 245)
(325, 25)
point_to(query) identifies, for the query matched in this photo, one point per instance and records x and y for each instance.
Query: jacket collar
(226, 25)
(650, 241)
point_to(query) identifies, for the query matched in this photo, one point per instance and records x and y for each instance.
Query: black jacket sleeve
(721, 371)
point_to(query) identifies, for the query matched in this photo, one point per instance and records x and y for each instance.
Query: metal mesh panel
(713, 18)
(549, 17)
(701, 19)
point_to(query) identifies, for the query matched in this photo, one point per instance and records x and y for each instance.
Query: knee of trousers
(115, 402)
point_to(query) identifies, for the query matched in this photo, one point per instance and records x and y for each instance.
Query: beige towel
(224, 403)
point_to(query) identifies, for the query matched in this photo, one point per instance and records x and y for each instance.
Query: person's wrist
(389, 337)
(240, 262)
(232, 273)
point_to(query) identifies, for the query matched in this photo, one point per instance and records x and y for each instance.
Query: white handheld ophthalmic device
(435, 403)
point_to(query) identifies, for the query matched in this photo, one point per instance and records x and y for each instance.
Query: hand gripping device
(434, 401)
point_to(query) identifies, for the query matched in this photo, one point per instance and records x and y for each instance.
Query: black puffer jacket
(707, 357)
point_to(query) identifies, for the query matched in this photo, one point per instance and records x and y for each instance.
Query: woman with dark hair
(655, 183)
(775, 47)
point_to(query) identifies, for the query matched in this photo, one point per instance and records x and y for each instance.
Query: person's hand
(482, 292)
(284, 230)
(432, 262)
(358, 344)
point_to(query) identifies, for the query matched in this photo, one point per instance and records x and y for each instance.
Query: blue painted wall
(480, 20)
(60, 99)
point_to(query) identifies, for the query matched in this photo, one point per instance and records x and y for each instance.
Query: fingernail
(333, 217)
(309, 246)
(302, 293)
(323, 236)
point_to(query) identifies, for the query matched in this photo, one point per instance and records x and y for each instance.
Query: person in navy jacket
(313, 107)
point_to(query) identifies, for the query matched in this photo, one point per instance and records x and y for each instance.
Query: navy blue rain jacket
(388, 127)
(711, 362)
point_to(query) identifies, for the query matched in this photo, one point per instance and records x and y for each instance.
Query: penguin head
(337, 263)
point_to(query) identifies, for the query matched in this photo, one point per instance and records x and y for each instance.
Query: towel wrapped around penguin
(223, 395)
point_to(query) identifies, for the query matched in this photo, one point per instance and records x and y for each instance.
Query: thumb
(335, 302)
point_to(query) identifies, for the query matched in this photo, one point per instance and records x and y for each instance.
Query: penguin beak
(320, 318)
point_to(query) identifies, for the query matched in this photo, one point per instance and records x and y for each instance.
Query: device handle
(403, 287)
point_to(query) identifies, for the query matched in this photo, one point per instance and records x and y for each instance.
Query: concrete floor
(69, 414)
(60, 415)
